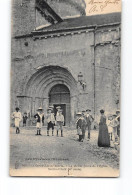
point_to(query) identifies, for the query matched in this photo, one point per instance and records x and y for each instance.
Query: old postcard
(65, 88)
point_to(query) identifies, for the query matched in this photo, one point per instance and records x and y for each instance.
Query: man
(25, 119)
(81, 125)
(50, 121)
(40, 120)
(60, 121)
(17, 116)
(89, 120)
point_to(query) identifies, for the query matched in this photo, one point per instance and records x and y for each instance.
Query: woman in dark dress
(103, 138)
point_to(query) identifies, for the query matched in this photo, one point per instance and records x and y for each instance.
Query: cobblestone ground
(28, 150)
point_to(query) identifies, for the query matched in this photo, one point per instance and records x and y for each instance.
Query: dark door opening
(60, 96)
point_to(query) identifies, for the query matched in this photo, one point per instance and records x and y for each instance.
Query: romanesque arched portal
(39, 89)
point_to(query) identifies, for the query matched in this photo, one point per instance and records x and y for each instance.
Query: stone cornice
(66, 31)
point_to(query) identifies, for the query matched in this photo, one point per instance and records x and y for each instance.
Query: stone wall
(77, 54)
(107, 68)
(94, 53)
(23, 17)
(72, 52)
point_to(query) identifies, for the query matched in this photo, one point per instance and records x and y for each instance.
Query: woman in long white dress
(17, 116)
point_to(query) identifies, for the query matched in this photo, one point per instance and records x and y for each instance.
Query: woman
(17, 116)
(103, 139)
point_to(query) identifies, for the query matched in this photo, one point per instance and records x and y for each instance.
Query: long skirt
(17, 122)
(103, 138)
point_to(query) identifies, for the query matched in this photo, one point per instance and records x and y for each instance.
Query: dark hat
(114, 115)
(17, 108)
(102, 111)
(25, 113)
(88, 110)
(83, 111)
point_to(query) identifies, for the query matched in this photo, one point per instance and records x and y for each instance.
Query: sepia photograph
(65, 88)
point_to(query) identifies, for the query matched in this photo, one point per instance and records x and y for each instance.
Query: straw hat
(40, 108)
(78, 113)
(58, 107)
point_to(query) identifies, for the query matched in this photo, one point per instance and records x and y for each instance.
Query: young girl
(114, 125)
(110, 127)
(40, 120)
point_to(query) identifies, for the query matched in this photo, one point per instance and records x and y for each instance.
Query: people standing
(89, 120)
(25, 119)
(50, 121)
(103, 138)
(17, 116)
(81, 126)
(60, 121)
(40, 120)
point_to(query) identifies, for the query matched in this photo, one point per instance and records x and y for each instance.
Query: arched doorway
(59, 95)
(45, 87)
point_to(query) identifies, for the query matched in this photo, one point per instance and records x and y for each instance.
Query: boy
(89, 120)
(40, 120)
(50, 121)
(60, 121)
(81, 124)
(79, 131)
(25, 119)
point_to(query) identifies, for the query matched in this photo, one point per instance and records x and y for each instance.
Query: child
(89, 120)
(79, 131)
(18, 117)
(40, 120)
(60, 121)
(110, 127)
(50, 121)
(25, 119)
(81, 125)
(114, 124)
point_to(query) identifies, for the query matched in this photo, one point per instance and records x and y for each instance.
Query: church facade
(72, 62)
